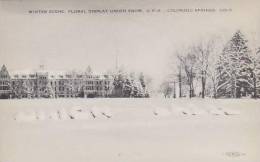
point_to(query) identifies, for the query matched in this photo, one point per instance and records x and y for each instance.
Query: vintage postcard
(129, 81)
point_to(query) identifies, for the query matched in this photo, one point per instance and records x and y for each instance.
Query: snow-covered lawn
(129, 130)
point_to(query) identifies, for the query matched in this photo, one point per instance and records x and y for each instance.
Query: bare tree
(166, 89)
(203, 51)
(188, 61)
(176, 72)
(180, 80)
(213, 75)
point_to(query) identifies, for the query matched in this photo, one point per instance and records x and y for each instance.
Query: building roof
(4, 72)
(32, 74)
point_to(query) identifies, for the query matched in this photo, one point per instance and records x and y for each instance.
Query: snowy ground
(129, 130)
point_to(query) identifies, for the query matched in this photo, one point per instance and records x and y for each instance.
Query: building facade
(44, 84)
(5, 83)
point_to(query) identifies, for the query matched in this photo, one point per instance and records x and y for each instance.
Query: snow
(129, 130)
(161, 111)
(25, 116)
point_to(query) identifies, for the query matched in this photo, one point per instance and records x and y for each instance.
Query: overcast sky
(142, 41)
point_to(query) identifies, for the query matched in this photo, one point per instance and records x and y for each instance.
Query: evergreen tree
(255, 71)
(127, 88)
(26, 89)
(142, 80)
(119, 82)
(234, 67)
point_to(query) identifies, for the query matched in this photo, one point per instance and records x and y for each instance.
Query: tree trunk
(214, 88)
(254, 79)
(174, 90)
(180, 84)
(203, 87)
(190, 91)
(191, 87)
(235, 93)
(191, 84)
(203, 84)
(215, 93)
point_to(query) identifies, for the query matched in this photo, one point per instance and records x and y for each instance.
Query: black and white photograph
(129, 81)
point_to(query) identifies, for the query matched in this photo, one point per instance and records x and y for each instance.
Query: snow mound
(231, 112)
(90, 113)
(105, 111)
(94, 112)
(25, 116)
(213, 110)
(63, 114)
(78, 113)
(100, 112)
(177, 109)
(159, 111)
(40, 115)
(53, 115)
(187, 112)
(183, 109)
(195, 110)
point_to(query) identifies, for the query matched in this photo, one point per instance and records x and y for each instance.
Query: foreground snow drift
(63, 114)
(129, 130)
(79, 113)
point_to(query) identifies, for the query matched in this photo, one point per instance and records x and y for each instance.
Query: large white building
(44, 84)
